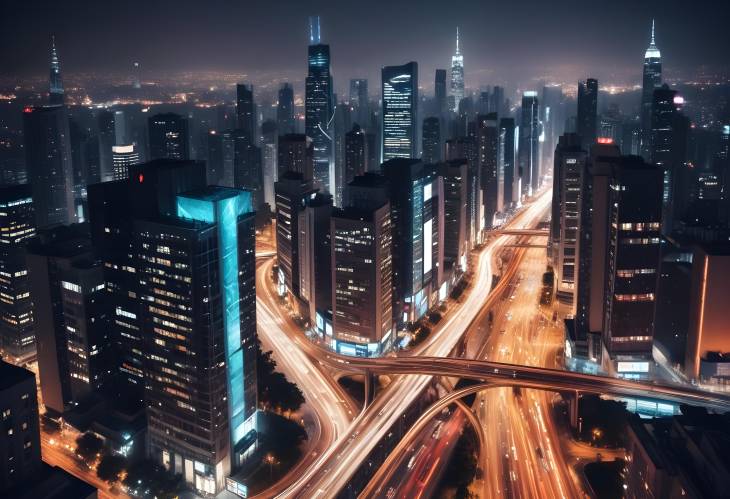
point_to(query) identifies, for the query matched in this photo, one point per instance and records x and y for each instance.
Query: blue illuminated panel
(223, 206)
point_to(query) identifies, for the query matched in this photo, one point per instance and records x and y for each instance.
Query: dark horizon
(508, 44)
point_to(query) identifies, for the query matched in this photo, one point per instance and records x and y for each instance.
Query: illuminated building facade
(122, 158)
(652, 79)
(55, 94)
(400, 104)
(198, 294)
(529, 145)
(457, 75)
(17, 224)
(168, 136)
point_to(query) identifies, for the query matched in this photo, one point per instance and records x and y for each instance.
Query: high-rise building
(489, 180)
(247, 166)
(17, 224)
(362, 315)
(440, 92)
(291, 191)
(587, 120)
(355, 153)
(319, 107)
(497, 103)
(295, 154)
(668, 151)
(198, 312)
(168, 136)
(652, 80)
(456, 200)
(123, 157)
(246, 110)
(510, 192)
(457, 74)
(400, 106)
(342, 126)
(465, 149)
(149, 192)
(20, 443)
(221, 158)
(107, 139)
(707, 340)
(285, 110)
(569, 172)
(431, 140)
(529, 146)
(48, 162)
(417, 210)
(269, 141)
(55, 94)
(315, 260)
(67, 286)
(360, 102)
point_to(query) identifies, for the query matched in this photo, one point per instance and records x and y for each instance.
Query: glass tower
(651, 81)
(457, 74)
(400, 100)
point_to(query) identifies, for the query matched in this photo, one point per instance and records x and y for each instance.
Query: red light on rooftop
(27, 109)
(141, 177)
(604, 140)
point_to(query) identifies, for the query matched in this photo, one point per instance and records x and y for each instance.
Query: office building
(55, 90)
(341, 127)
(168, 136)
(400, 104)
(569, 171)
(285, 123)
(246, 111)
(708, 345)
(355, 153)
(457, 75)
(417, 211)
(507, 165)
(292, 191)
(198, 297)
(587, 120)
(431, 140)
(529, 145)
(269, 151)
(123, 157)
(295, 154)
(360, 102)
(315, 260)
(456, 201)
(17, 225)
(247, 172)
(440, 92)
(362, 316)
(48, 163)
(465, 149)
(319, 108)
(487, 134)
(221, 158)
(652, 79)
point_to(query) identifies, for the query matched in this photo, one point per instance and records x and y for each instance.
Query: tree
(89, 447)
(111, 468)
(149, 476)
(275, 390)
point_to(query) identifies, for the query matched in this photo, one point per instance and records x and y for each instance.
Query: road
(333, 471)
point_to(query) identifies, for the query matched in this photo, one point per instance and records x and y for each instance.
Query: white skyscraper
(457, 74)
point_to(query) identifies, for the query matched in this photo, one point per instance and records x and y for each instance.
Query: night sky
(510, 41)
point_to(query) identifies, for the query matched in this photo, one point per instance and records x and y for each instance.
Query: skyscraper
(247, 166)
(285, 110)
(269, 141)
(48, 161)
(587, 120)
(355, 154)
(652, 80)
(17, 224)
(507, 161)
(457, 74)
(489, 180)
(246, 110)
(199, 322)
(295, 154)
(319, 107)
(400, 109)
(465, 149)
(529, 146)
(360, 102)
(455, 175)
(122, 158)
(440, 92)
(315, 260)
(221, 156)
(56, 94)
(431, 140)
(168, 136)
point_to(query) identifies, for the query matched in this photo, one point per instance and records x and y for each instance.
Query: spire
(314, 33)
(55, 82)
(652, 52)
(457, 40)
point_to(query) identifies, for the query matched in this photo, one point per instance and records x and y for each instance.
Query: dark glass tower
(360, 102)
(652, 79)
(168, 136)
(431, 140)
(285, 110)
(319, 107)
(507, 160)
(355, 153)
(587, 120)
(246, 110)
(400, 109)
(48, 161)
(489, 181)
(529, 147)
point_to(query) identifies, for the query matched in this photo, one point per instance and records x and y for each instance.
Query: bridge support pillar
(369, 381)
(572, 398)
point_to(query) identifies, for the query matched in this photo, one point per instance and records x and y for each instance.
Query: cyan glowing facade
(197, 274)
